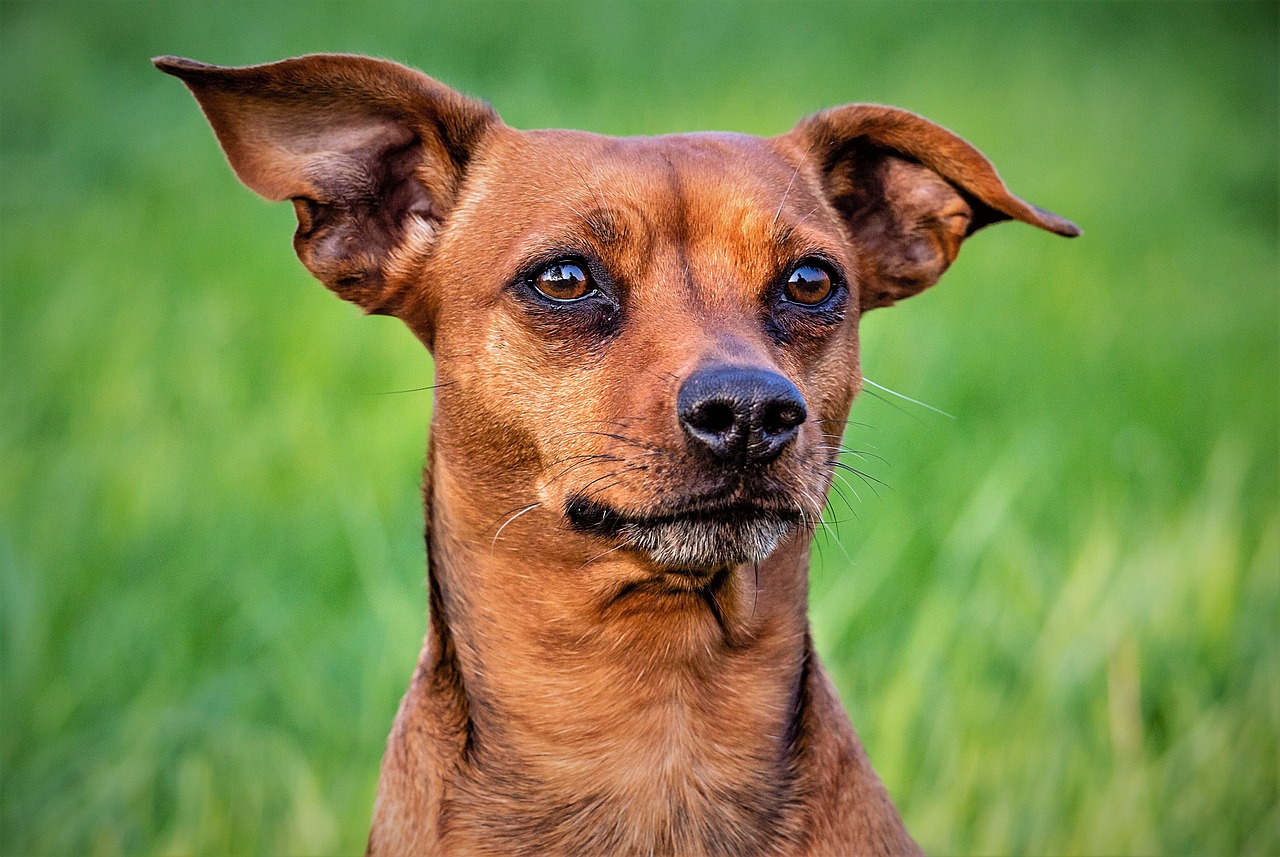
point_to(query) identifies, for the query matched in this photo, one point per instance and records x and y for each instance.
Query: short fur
(618, 657)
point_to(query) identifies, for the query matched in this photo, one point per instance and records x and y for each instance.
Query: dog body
(645, 352)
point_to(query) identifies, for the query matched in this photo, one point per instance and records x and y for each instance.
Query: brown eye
(808, 285)
(564, 281)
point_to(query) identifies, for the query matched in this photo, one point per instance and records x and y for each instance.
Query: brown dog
(645, 350)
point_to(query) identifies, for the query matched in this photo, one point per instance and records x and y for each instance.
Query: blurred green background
(1056, 629)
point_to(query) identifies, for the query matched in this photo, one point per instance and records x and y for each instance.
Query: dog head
(653, 339)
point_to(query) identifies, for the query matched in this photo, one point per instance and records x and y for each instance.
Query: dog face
(666, 332)
(657, 337)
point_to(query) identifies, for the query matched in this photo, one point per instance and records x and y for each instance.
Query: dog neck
(602, 718)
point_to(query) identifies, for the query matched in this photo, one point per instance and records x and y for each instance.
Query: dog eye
(808, 285)
(564, 281)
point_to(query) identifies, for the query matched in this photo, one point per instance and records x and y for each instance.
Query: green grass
(1055, 630)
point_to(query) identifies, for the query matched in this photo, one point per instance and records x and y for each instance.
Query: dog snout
(741, 415)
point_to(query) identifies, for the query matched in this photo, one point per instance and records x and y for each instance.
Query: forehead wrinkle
(736, 227)
(702, 267)
(679, 220)
(717, 204)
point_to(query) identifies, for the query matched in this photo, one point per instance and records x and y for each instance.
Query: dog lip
(590, 516)
(719, 512)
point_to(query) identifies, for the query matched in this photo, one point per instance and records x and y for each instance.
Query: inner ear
(907, 220)
(368, 205)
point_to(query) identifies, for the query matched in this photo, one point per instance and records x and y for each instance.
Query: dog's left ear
(909, 192)
(372, 154)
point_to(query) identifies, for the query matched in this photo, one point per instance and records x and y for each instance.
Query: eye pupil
(563, 281)
(809, 285)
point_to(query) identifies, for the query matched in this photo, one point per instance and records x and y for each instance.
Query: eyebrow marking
(782, 234)
(605, 225)
(788, 231)
(601, 221)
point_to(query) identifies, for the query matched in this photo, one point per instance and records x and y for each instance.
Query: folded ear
(370, 152)
(910, 192)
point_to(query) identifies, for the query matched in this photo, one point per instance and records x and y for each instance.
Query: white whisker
(505, 523)
(787, 192)
(907, 398)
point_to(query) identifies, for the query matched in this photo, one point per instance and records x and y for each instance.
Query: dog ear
(371, 153)
(909, 191)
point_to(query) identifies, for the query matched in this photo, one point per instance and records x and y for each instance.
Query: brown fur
(575, 695)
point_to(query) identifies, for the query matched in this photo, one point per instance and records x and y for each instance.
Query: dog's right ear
(371, 153)
(909, 191)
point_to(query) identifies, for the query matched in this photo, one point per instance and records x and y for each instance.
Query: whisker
(891, 403)
(865, 477)
(839, 544)
(580, 462)
(505, 523)
(787, 192)
(836, 474)
(834, 487)
(861, 453)
(804, 520)
(599, 194)
(417, 389)
(621, 422)
(601, 554)
(817, 507)
(617, 437)
(811, 213)
(907, 398)
(849, 423)
(616, 481)
(630, 461)
(861, 474)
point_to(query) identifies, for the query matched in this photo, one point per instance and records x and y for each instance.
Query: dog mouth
(696, 537)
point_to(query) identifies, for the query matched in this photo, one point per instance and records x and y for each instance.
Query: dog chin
(690, 543)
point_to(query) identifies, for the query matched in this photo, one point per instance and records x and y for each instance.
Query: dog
(646, 350)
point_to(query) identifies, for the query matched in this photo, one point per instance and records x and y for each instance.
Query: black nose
(743, 415)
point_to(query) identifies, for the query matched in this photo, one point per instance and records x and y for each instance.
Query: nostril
(712, 417)
(783, 416)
